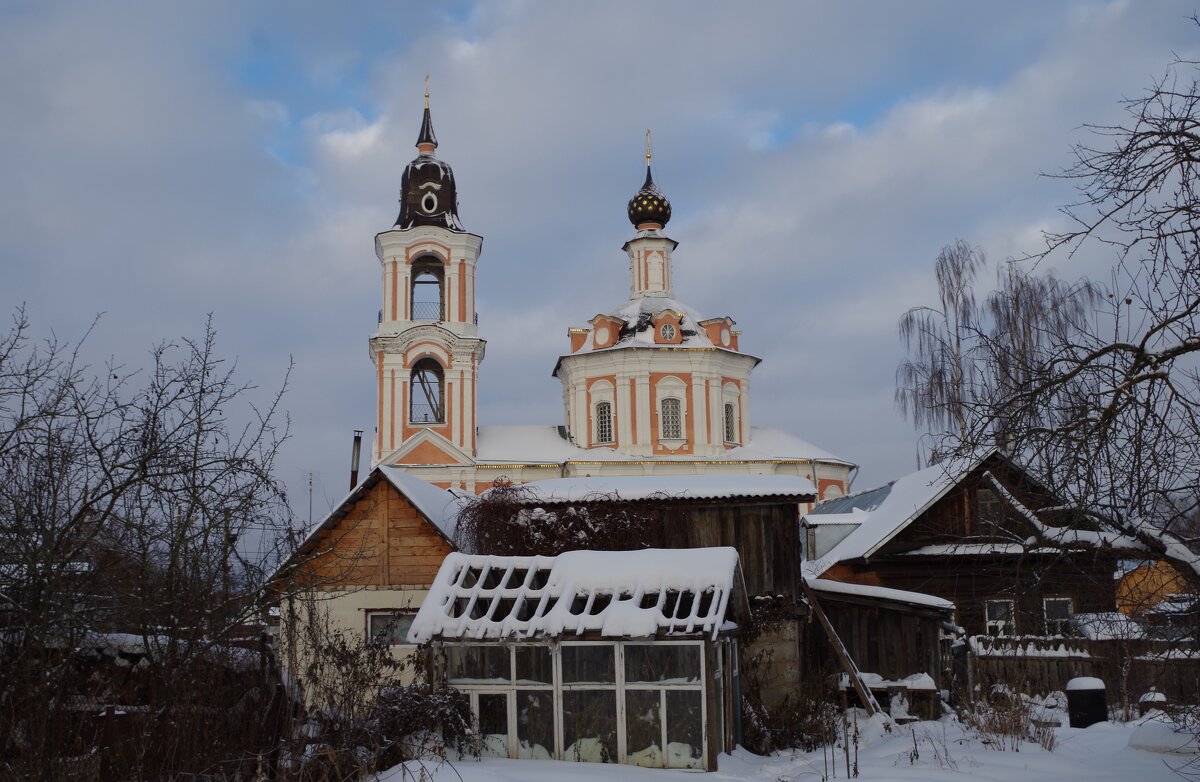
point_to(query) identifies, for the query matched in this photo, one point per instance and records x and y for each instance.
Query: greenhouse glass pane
(662, 663)
(590, 725)
(477, 664)
(535, 724)
(685, 729)
(643, 728)
(587, 664)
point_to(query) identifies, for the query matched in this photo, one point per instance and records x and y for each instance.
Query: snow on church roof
(639, 328)
(667, 487)
(617, 594)
(548, 445)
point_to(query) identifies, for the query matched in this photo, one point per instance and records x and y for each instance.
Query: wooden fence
(1039, 665)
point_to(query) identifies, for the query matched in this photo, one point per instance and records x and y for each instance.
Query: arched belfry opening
(428, 289)
(427, 393)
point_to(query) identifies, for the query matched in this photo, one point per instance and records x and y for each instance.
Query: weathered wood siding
(767, 539)
(893, 642)
(970, 579)
(381, 541)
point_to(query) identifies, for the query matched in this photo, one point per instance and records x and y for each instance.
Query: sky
(167, 161)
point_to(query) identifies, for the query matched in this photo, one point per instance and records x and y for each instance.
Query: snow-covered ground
(944, 751)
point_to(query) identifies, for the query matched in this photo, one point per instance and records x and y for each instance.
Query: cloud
(240, 159)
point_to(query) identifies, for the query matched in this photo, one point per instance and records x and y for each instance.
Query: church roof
(549, 445)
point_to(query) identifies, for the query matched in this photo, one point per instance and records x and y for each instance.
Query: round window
(667, 330)
(602, 335)
(429, 202)
(725, 337)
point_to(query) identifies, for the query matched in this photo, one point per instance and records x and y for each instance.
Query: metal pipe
(354, 458)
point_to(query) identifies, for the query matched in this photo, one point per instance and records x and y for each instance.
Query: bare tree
(1097, 388)
(128, 499)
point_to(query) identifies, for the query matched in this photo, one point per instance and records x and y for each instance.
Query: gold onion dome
(649, 205)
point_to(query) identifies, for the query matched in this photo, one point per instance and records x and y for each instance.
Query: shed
(599, 656)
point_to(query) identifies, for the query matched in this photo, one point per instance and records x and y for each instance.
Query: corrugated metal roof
(557, 491)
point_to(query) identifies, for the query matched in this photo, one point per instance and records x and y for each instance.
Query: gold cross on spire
(427, 90)
(647, 147)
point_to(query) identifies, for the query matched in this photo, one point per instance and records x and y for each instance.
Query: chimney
(354, 455)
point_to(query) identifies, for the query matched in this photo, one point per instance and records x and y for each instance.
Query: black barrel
(1086, 703)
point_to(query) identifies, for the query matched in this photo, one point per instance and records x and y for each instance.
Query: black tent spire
(427, 137)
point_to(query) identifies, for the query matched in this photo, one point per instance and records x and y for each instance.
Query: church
(651, 387)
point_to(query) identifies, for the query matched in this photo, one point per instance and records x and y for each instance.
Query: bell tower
(426, 349)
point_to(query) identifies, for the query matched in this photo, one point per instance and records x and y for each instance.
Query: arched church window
(426, 393)
(672, 419)
(730, 423)
(604, 422)
(428, 276)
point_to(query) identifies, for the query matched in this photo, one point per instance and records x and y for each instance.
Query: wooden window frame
(1065, 623)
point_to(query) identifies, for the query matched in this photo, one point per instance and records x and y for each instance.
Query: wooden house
(978, 532)
(366, 567)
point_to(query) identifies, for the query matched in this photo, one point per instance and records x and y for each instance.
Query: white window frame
(474, 689)
(730, 410)
(409, 613)
(665, 418)
(731, 394)
(1005, 626)
(603, 422)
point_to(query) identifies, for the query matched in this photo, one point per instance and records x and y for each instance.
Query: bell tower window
(604, 427)
(672, 419)
(730, 423)
(426, 393)
(427, 289)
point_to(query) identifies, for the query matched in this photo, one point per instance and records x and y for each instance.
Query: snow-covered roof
(638, 330)
(440, 506)
(667, 487)
(617, 594)
(883, 512)
(879, 593)
(546, 444)
(1106, 625)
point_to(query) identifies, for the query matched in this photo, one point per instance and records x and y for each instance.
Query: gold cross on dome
(427, 90)
(647, 146)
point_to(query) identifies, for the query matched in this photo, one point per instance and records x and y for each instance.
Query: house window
(389, 627)
(988, 506)
(672, 419)
(730, 423)
(427, 278)
(604, 427)
(1058, 612)
(1001, 617)
(425, 393)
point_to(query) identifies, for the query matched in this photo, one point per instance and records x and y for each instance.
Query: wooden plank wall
(767, 539)
(892, 642)
(382, 541)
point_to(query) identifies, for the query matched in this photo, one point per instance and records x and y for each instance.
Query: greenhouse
(604, 657)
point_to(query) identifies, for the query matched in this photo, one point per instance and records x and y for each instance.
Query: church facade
(649, 388)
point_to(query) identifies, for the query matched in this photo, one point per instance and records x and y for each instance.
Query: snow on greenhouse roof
(666, 487)
(548, 444)
(617, 594)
